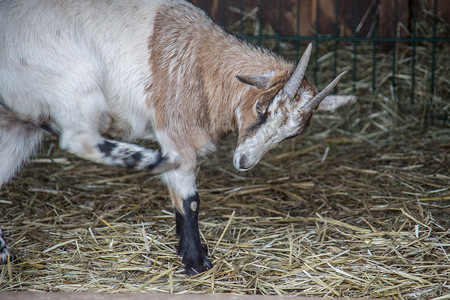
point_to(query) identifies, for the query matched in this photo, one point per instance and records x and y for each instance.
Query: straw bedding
(335, 217)
(358, 206)
(330, 214)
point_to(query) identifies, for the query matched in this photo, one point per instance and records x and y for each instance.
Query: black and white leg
(92, 146)
(5, 255)
(81, 117)
(187, 204)
(134, 157)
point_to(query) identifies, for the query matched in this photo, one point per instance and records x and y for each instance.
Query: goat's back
(53, 51)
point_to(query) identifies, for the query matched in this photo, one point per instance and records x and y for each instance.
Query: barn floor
(337, 212)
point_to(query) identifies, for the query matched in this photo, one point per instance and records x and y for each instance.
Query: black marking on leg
(137, 156)
(158, 160)
(179, 222)
(133, 160)
(121, 156)
(107, 147)
(5, 255)
(193, 253)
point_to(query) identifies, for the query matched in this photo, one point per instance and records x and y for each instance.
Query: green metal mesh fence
(397, 51)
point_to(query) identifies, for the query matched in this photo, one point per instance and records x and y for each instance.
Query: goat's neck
(228, 57)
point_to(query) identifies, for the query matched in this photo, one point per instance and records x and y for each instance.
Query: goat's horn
(314, 102)
(291, 87)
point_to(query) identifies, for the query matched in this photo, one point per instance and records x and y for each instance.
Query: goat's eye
(259, 110)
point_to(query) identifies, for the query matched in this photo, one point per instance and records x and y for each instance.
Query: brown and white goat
(136, 69)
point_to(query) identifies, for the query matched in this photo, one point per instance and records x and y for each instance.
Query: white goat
(144, 69)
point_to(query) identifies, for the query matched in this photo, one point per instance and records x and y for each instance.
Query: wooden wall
(305, 10)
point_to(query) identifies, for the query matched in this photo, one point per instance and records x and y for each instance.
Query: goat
(145, 69)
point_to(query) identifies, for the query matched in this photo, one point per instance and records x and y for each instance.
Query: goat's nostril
(242, 162)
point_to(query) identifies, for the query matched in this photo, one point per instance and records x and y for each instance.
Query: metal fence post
(355, 44)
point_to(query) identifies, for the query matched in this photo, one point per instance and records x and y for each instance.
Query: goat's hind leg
(92, 146)
(5, 254)
(80, 135)
(135, 157)
(18, 141)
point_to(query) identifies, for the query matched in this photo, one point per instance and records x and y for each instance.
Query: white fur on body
(17, 142)
(82, 62)
(137, 69)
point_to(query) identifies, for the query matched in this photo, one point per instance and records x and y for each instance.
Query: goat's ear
(261, 82)
(332, 102)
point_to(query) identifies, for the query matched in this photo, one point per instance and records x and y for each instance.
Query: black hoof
(196, 267)
(195, 262)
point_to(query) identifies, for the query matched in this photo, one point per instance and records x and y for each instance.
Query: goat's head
(278, 109)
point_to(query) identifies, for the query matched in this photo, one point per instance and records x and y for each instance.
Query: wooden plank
(219, 10)
(386, 20)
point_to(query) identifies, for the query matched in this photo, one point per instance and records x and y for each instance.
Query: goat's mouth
(242, 163)
(244, 169)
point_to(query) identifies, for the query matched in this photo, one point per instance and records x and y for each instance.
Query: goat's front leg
(181, 183)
